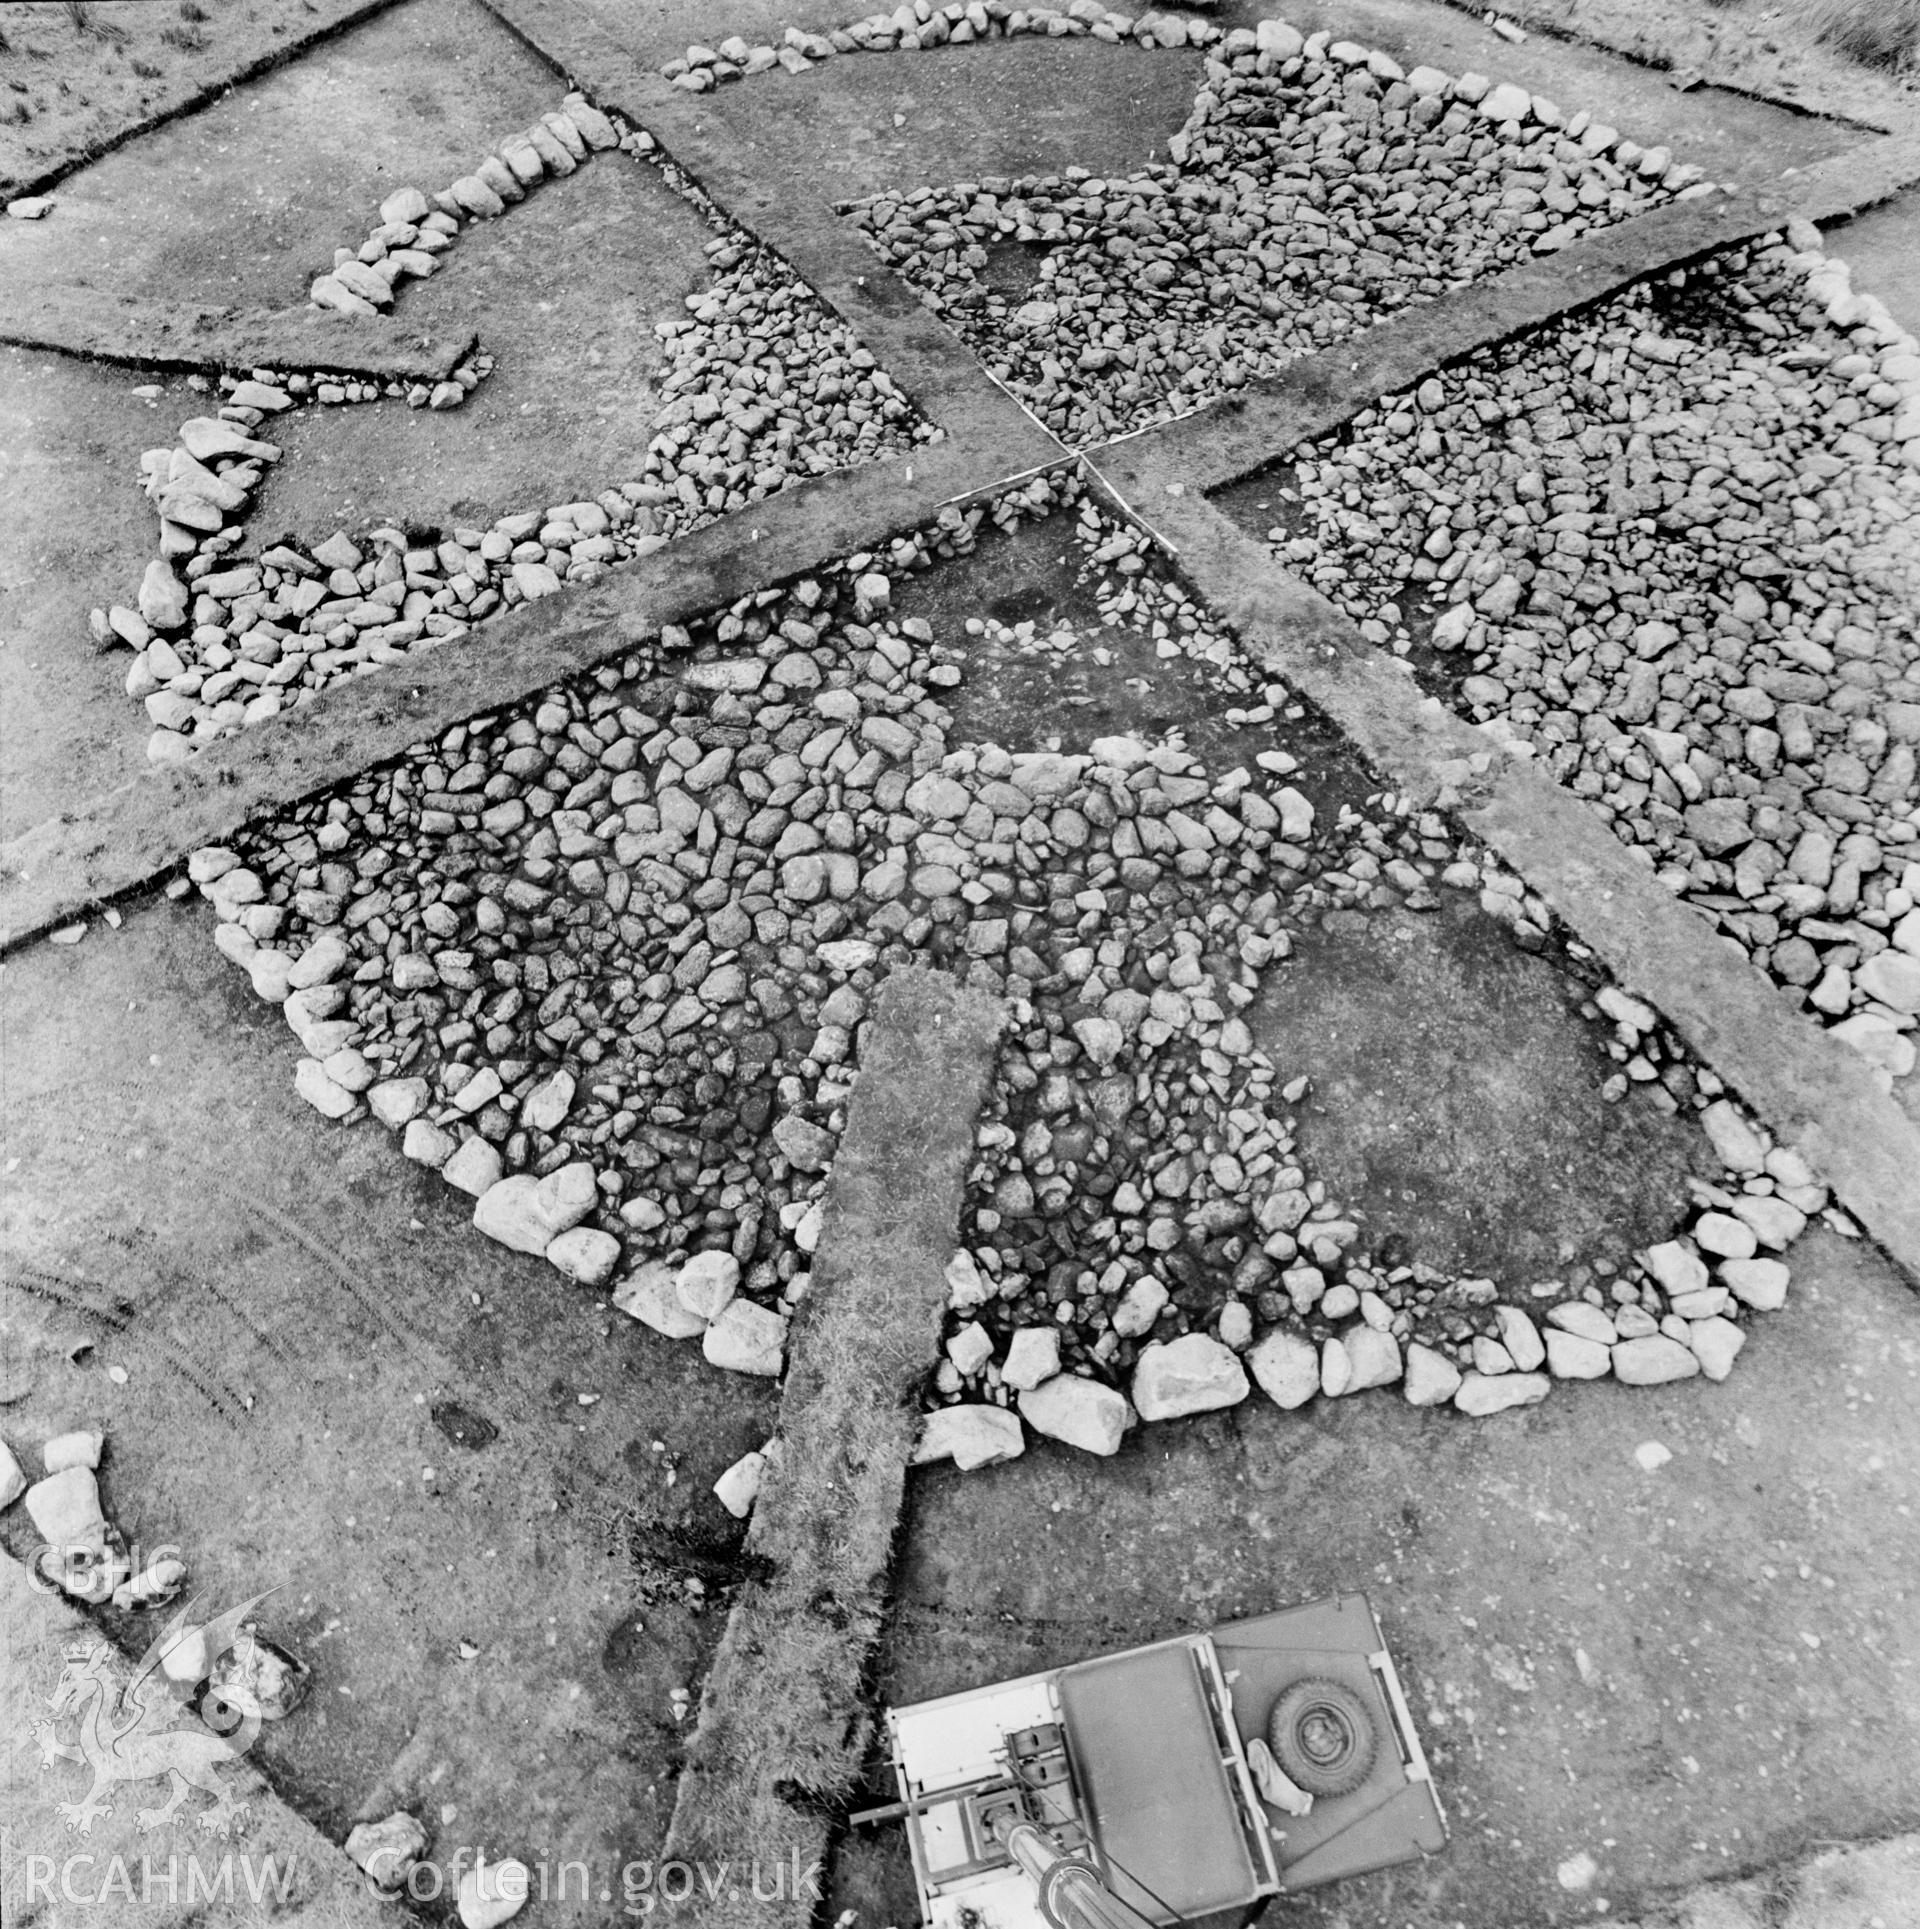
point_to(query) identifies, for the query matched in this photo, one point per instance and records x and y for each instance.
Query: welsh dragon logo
(126, 1730)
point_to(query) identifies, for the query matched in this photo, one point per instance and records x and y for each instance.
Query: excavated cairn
(1159, 292)
(602, 959)
(762, 387)
(602, 962)
(1672, 547)
(1314, 188)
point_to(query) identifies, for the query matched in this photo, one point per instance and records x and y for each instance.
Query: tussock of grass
(783, 1725)
(85, 21)
(1877, 33)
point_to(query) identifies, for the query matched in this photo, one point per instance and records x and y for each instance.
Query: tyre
(1323, 1736)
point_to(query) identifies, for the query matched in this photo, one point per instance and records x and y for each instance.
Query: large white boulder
(1431, 1378)
(473, 1168)
(494, 1893)
(1083, 1413)
(1653, 1360)
(970, 1436)
(747, 1338)
(545, 1107)
(1481, 1393)
(331, 1101)
(1336, 1368)
(586, 1255)
(1193, 1374)
(1572, 1356)
(529, 1214)
(1716, 1344)
(739, 1487)
(1585, 1322)
(1287, 1367)
(1776, 1223)
(65, 1509)
(1678, 1268)
(1033, 1356)
(707, 1283)
(647, 1295)
(1740, 1147)
(970, 1348)
(1759, 1283)
(966, 1288)
(1375, 1358)
(1139, 1306)
(1520, 1337)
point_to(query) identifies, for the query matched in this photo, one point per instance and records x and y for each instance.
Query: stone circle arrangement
(602, 962)
(1672, 547)
(917, 24)
(762, 386)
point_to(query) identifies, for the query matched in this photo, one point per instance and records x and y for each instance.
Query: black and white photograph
(959, 969)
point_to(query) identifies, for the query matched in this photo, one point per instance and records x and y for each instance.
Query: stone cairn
(1672, 548)
(762, 387)
(1315, 187)
(601, 961)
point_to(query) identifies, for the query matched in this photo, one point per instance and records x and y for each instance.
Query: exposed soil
(1763, 49)
(77, 533)
(1456, 1101)
(1032, 696)
(75, 85)
(1686, 1674)
(867, 122)
(245, 201)
(570, 406)
(1600, 1659)
(335, 1387)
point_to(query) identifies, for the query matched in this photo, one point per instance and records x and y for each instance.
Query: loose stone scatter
(603, 962)
(1672, 547)
(762, 387)
(85, 1554)
(1314, 188)
(919, 24)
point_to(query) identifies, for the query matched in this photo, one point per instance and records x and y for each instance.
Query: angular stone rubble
(603, 962)
(1672, 547)
(1139, 1186)
(917, 24)
(83, 1554)
(762, 387)
(1314, 188)
(415, 229)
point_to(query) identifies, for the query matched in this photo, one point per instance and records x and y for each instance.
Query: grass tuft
(1876, 33)
(85, 21)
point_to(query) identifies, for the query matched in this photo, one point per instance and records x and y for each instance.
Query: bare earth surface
(483, 1495)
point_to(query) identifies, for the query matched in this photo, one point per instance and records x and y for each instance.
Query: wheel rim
(1325, 1736)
